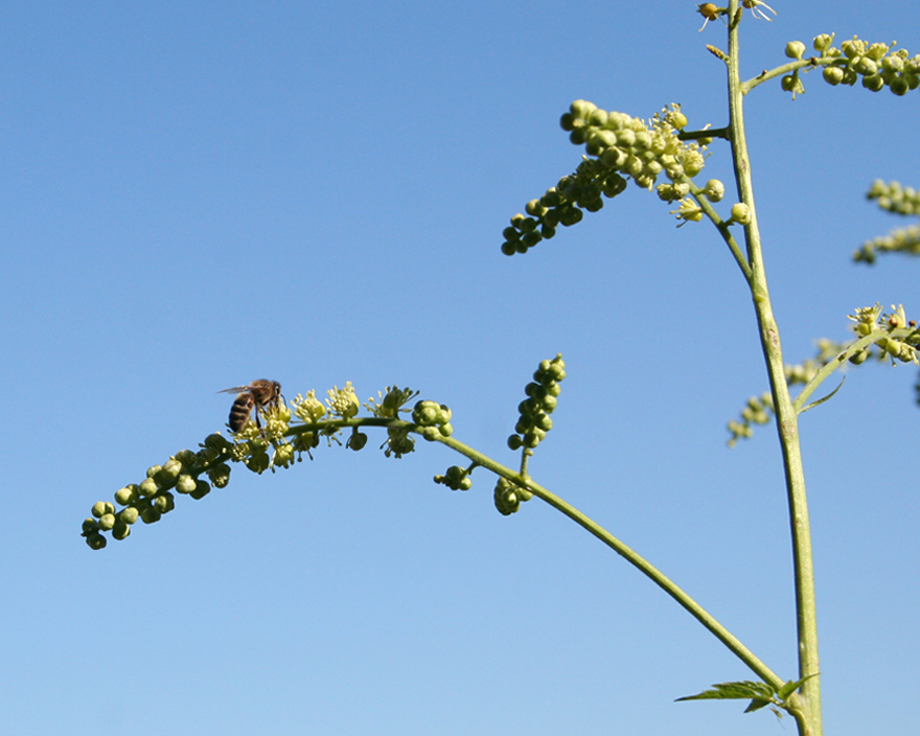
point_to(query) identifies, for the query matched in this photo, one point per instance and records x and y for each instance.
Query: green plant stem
(808, 719)
(825, 371)
(723, 227)
(659, 578)
(806, 64)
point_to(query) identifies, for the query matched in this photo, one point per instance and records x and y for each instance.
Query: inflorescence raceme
(618, 147)
(897, 340)
(894, 198)
(542, 397)
(290, 430)
(876, 64)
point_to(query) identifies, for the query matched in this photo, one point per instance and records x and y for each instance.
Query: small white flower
(755, 7)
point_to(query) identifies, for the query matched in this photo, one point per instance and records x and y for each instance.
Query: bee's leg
(259, 421)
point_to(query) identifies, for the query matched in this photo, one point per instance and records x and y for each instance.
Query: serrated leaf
(757, 704)
(741, 690)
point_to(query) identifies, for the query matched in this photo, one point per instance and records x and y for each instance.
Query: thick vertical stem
(809, 718)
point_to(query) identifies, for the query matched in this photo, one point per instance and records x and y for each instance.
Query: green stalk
(643, 565)
(808, 718)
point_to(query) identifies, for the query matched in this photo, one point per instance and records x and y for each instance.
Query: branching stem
(808, 719)
(658, 577)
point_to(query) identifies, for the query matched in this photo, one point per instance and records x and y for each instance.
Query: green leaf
(760, 693)
(757, 704)
(790, 687)
(813, 404)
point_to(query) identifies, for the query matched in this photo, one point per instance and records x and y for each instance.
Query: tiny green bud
(535, 207)
(430, 433)
(860, 357)
(741, 214)
(99, 508)
(891, 345)
(865, 66)
(164, 503)
(899, 85)
(792, 83)
(446, 429)
(217, 442)
(106, 522)
(873, 82)
(168, 473)
(795, 49)
(121, 530)
(202, 489)
(186, 457)
(90, 525)
(126, 495)
(96, 541)
(514, 442)
(185, 483)
(150, 515)
(582, 108)
(148, 487)
(893, 63)
(356, 441)
(597, 117)
(833, 75)
(128, 515)
(714, 190)
(877, 50)
(219, 475)
(823, 42)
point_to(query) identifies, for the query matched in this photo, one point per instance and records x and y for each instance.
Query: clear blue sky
(198, 194)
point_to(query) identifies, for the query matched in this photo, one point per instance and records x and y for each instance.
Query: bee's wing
(234, 390)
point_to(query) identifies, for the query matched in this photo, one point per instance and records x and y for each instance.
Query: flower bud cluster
(620, 147)
(153, 497)
(388, 406)
(508, 497)
(904, 349)
(892, 197)
(542, 393)
(902, 240)
(899, 348)
(433, 418)
(876, 64)
(758, 410)
(275, 445)
(455, 478)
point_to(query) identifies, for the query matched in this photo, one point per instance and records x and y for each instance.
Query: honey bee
(260, 394)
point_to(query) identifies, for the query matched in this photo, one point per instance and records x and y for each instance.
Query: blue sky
(199, 194)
